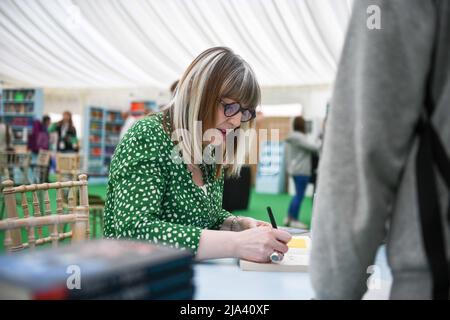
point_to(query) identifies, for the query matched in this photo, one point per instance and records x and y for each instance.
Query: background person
(299, 151)
(39, 137)
(66, 140)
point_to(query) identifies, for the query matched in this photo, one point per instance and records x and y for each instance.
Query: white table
(222, 279)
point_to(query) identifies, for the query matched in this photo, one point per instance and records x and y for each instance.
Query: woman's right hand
(257, 244)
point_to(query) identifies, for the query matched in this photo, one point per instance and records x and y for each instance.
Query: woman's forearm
(217, 244)
(254, 244)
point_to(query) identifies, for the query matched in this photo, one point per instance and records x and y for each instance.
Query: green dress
(150, 197)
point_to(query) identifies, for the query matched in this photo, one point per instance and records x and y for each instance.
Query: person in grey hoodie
(367, 189)
(298, 157)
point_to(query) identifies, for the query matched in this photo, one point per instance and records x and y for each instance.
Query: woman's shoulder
(146, 139)
(145, 142)
(149, 128)
(149, 123)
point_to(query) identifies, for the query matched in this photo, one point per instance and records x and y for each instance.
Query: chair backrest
(19, 159)
(67, 164)
(77, 214)
(43, 158)
(10, 160)
(4, 172)
(41, 167)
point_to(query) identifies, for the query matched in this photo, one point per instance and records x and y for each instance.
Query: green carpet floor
(257, 207)
(279, 204)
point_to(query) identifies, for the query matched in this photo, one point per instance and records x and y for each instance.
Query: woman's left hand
(248, 223)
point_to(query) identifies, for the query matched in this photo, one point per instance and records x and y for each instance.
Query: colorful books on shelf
(102, 129)
(98, 269)
(19, 107)
(18, 95)
(114, 117)
(149, 106)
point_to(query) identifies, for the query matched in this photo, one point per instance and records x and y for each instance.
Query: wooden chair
(40, 171)
(96, 211)
(10, 160)
(4, 169)
(77, 215)
(67, 166)
(2, 202)
(41, 167)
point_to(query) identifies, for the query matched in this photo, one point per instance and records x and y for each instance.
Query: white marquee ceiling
(121, 43)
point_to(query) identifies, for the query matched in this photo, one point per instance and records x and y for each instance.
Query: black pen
(271, 217)
(275, 256)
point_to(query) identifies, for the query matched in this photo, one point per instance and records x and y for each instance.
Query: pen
(271, 217)
(275, 256)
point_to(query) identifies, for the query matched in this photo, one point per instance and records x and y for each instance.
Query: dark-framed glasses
(231, 109)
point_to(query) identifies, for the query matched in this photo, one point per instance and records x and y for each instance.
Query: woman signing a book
(166, 177)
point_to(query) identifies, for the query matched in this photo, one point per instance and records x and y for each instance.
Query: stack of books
(98, 269)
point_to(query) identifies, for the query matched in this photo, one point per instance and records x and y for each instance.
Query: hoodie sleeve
(301, 141)
(376, 103)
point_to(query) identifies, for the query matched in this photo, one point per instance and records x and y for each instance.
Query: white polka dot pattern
(149, 197)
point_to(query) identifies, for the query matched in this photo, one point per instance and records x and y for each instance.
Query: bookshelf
(113, 125)
(101, 135)
(19, 108)
(149, 106)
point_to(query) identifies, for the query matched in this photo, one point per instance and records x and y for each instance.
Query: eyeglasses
(231, 109)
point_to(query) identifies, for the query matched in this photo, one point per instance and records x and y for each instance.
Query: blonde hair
(216, 73)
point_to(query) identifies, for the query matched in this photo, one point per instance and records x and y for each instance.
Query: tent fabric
(121, 43)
